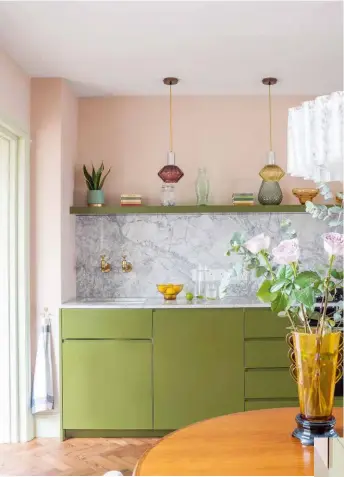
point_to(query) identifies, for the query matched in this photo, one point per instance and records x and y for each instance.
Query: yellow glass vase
(316, 367)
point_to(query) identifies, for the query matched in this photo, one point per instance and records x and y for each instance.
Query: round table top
(245, 443)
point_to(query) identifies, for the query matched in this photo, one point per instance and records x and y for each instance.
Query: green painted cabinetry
(198, 365)
(107, 384)
(95, 323)
(106, 361)
(268, 383)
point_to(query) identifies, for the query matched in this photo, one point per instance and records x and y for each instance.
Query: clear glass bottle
(200, 284)
(168, 195)
(202, 187)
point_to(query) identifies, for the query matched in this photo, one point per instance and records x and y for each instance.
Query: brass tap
(104, 266)
(126, 266)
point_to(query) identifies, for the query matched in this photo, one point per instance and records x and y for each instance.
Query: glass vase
(270, 193)
(168, 195)
(202, 187)
(317, 365)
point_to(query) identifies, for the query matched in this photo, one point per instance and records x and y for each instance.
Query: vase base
(307, 431)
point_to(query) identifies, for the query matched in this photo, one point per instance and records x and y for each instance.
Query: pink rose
(286, 252)
(334, 243)
(258, 243)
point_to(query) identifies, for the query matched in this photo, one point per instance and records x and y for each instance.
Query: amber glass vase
(317, 366)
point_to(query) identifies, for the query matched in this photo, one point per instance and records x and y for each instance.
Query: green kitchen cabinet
(198, 365)
(106, 323)
(107, 384)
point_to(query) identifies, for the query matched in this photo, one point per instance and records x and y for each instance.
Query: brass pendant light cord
(171, 130)
(270, 117)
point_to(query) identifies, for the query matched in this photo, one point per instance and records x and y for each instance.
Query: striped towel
(42, 390)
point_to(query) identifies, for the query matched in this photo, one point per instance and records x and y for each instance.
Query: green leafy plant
(95, 181)
(291, 291)
(332, 215)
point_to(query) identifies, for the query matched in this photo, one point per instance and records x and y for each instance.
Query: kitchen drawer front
(266, 354)
(270, 404)
(338, 401)
(263, 323)
(93, 323)
(269, 383)
(253, 405)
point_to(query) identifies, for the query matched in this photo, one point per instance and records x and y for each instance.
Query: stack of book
(243, 198)
(128, 200)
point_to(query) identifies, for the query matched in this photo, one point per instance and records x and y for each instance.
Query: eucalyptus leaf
(337, 317)
(334, 223)
(260, 271)
(335, 210)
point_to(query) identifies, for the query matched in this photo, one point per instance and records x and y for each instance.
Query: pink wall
(54, 144)
(14, 94)
(226, 134)
(68, 159)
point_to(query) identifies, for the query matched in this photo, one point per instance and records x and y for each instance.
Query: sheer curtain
(316, 139)
(15, 418)
(8, 305)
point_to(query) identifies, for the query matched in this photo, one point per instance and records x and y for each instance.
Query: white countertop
(153, 303)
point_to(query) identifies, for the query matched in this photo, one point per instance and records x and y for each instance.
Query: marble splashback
(166, 248)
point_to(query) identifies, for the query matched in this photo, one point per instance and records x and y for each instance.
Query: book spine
(130, 202)
(243, 203)
(131, 196)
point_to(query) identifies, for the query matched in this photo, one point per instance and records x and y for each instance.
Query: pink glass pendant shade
(170, 173)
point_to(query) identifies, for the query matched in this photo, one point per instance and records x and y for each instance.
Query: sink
(125, 301)
(115, 301)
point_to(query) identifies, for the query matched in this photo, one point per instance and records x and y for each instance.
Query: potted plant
(95, 182)
(315, 337)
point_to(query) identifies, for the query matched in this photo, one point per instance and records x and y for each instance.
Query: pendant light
(270, 192)
(170, 173)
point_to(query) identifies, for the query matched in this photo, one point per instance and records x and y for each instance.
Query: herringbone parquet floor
(72, 457)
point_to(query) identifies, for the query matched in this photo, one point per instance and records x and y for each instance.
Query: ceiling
(126, 48)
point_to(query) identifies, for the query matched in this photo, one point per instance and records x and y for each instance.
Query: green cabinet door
(107, 384)
(198, 365)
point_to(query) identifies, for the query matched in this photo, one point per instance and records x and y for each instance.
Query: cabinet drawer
(270, 404)
(96, 323)
(263, 323)
(269, 383)
(266, 354)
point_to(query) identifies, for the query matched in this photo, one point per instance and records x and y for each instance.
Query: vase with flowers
(315, 336)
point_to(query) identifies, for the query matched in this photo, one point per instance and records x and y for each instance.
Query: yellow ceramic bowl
(305, 194)
(169, 290)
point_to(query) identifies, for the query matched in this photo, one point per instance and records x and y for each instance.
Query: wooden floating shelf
(184, 209)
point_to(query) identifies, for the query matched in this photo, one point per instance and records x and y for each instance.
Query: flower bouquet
(315, 336)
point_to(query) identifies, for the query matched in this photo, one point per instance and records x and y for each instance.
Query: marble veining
(166, 248)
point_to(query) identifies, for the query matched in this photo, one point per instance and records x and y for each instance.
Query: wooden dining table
(245, 443)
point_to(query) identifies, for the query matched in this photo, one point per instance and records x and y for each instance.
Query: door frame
(21, 428)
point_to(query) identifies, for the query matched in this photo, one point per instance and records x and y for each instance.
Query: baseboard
(114, 433)
(47, 425)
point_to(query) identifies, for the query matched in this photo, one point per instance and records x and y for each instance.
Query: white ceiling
(126, 48)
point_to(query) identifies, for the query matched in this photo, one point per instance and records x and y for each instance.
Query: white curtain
(316, 139)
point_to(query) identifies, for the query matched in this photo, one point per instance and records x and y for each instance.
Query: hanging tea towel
(42, 390)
